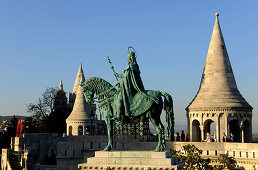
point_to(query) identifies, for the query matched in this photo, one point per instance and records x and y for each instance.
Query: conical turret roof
(81, 110)
(218, 87)
(79, 77)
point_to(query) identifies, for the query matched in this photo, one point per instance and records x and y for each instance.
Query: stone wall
(5, 164)
(32, 149)
(73, 150)
(78, 149)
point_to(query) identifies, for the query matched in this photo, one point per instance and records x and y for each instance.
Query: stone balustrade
(236, 150)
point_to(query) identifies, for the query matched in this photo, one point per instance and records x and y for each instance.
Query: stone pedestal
(132, 160)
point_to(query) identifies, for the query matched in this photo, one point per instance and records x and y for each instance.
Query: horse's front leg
(110, 134)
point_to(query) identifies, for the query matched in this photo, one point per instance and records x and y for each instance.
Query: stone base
(132, 160)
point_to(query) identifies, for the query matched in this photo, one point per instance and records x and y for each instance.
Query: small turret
(60, 101)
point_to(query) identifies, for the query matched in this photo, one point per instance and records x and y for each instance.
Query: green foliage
(227, 163)
(191, 155)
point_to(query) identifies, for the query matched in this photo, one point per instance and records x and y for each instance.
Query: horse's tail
(168, 106)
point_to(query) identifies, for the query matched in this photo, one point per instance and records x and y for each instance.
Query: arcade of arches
(200, 126)
(86, 128)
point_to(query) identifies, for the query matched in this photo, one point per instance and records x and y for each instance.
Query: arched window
(196, 131)
(87, 129)
(247, 131)
(210, 129)
(70, 130)
(234, 130)
(80, 130)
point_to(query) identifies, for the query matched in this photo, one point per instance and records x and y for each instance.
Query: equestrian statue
(128, 99)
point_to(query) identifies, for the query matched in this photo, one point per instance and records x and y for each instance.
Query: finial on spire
(61, 85)
(217, 15)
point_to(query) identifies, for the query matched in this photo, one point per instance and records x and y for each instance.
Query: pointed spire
(79, 77)
(81, 110)
(218, 86)
(61, 85)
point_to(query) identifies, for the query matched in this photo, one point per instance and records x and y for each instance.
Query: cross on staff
(112, 67)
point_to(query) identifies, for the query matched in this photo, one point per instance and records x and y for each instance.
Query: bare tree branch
(45, 105)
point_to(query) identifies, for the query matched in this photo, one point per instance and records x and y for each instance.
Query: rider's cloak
(135, 98)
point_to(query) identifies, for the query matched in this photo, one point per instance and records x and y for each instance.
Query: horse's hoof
(107, 148)
(159, 149)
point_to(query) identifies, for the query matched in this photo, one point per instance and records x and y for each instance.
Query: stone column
(75, 131)
(243, 135)
(67, 129)
(226, 125)
(242, 132)
(188, 122)
(250, 139)
(202, 132)
(218, 129)
(202, 128)
(190, 130)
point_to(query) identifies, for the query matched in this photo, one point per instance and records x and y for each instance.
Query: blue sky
(43, 41)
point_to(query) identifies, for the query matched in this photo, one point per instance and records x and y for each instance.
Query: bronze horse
(106, 95)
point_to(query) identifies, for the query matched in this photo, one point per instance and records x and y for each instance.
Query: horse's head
(87, 92)
(93, 86)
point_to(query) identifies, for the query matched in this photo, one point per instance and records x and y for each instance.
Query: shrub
(191, 156)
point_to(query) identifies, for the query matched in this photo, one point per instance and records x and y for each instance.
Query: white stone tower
(82, 118)
(218, 99)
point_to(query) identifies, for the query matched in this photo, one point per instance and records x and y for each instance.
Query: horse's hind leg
(110, 135)
(160, 129)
